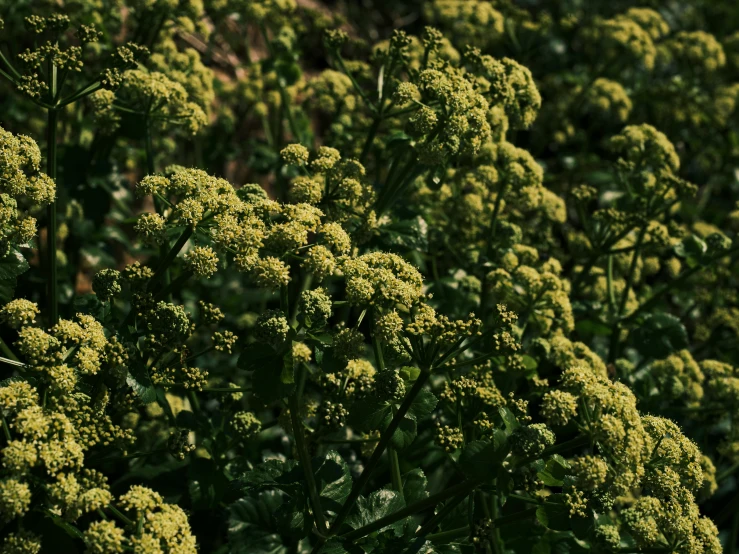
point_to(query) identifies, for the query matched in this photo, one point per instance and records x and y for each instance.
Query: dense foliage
(440, 276)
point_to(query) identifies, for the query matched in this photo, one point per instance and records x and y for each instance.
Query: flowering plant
(398, 277)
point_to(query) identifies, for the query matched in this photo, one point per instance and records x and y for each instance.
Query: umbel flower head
(23, 189)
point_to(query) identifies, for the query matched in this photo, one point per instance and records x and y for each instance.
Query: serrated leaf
(405, 434)
(207, 483)
(251, 525)
(423, 405)
(509, 420)
(415, 486)
(554, 516)
(267, 474)
(144, 390)
(377, 505)
(11, 266)
(480, 459)
(369, 414)
(554, 471)
(659, 335)
(266, 382)
(333, 478)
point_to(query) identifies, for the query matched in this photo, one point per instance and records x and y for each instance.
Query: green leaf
(408, 233)
(208, 485)
(415, 486)
(251, 525)
(409, 373)
(333, 478)
(88, 304)
(377, 505)
(267, 474)
(143, 388)
(659, 336)
(509, 420)
(554, 516)
(369, 414)
(554, 471)
(287, 377)
(692, 248)
(12, 265)
(480, 459)
(262, 360)
(405, 434)
(423, 405)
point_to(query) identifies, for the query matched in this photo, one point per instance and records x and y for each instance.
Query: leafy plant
(478, 293)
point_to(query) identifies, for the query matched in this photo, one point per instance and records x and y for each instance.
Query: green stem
(9, 65)
(632, 270)
(201, 353)
(379, 449)
(684, 276)
(51, 227)
(149, 147)
(8, 352)
(89, 89)
(371, 137)
(724, 474)
(463, 489)
(288, 111)
(395, 471)
(733, 536)
(173, 285)
(494, 217)
(6, 429)
(120, 515)
(169, 258)
(226, 389)
(609, 277)
(448, 536)
(305, 462)
(356, 86)
(572, 444)
(390, 192)
(376, 346)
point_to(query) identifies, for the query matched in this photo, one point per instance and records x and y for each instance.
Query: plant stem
(494, 217)
(169, 258)
(371, 136)
(51, 226)
(226, 389)
(6, 429)
(395, 471)
(448, 536)
(376, 346)
(632, 270)
(375, 458)
(149, 147)
(441, 514)
(577, 442)
(724, 474)
(120, 515)
(304, 457)
(733, 536)
(7, 351)
(463, 488)
(173, 285)
(609, 278)
(288, 112)
(684, 276)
